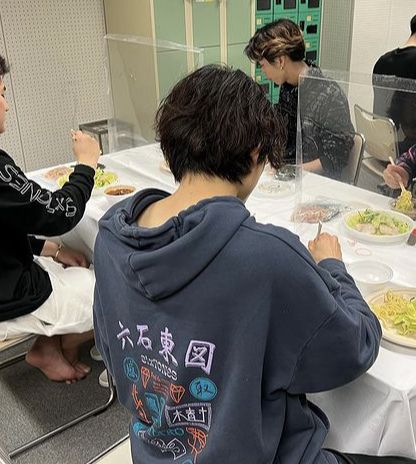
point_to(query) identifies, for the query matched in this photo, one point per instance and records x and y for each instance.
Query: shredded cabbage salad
(381, 223)
(101, 179)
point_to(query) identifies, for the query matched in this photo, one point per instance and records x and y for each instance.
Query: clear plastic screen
(349, 128)
(141, 72)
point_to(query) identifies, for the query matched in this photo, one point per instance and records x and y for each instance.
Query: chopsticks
(319, 229)
(397, 177)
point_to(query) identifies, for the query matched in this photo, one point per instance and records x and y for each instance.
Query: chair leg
(13, 360)
(67, 425)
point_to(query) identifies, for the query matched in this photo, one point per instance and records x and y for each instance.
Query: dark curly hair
(4, 67)
(281, 37)
(213, 119)
(413, 25)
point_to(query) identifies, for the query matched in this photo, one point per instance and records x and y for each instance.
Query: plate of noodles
(405, 204)
(396, 311)
(102, 180)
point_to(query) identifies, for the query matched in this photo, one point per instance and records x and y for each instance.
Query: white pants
(67, 310)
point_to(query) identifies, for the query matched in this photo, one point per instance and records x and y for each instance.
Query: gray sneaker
(103, 379)
(95, 354)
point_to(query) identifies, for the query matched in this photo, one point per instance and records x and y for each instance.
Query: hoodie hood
(187, 242)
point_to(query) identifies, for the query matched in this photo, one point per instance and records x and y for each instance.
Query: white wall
(56, 52)
(379, 26)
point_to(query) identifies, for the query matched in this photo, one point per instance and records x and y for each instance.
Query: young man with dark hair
(327, 131)
(215, 326)
(37, 295)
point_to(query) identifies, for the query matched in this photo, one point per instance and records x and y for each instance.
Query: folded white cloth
(67, 310)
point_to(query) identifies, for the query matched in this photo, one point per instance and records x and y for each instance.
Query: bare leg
(46, 354)
(70, 347)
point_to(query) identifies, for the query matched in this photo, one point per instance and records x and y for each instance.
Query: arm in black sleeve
(26, 206)
(36, 244)
(336, 134)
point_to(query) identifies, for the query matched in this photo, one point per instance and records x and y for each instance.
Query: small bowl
(116, 193)
(370, 276)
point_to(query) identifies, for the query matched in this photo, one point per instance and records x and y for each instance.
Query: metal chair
(380, 139)
(351, 171)
(36, 441)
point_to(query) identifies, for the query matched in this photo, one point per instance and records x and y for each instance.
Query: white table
(376, 414)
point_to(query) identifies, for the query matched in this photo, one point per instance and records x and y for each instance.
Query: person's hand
(85, 148)
(69, 257)
(394, 174)
(325, 246)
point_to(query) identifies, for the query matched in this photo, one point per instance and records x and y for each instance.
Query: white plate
(379, 238)
(390, 333)
(274, 188)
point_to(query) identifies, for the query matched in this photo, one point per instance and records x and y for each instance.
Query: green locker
(259, 75)
(275, 92)
(312, 50)
(206, 24)
(310, 24)
(263, 20)
(282, 8)
(267, 88)
(305, 5)
(264, 8)
(292, 16)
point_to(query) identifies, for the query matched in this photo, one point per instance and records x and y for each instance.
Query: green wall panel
(238, 21)
(170, 20)
(237, 59)
(212, 55)
(171, 66)
(206, 24)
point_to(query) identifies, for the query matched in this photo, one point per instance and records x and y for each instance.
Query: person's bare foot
(70, 348)
(46, 354)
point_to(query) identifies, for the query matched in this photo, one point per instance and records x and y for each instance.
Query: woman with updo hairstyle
(327, 131)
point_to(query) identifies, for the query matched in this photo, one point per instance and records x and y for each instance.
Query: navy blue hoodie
(214, 328)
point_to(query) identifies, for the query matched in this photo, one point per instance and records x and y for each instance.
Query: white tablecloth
(376, 414)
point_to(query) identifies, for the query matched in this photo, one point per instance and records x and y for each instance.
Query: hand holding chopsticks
(319, 229)
(397, 176)
(324, 246)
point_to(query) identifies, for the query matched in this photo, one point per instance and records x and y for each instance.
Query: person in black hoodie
(396, 98)
(327, 131)
(36, 294)
(215, 326)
